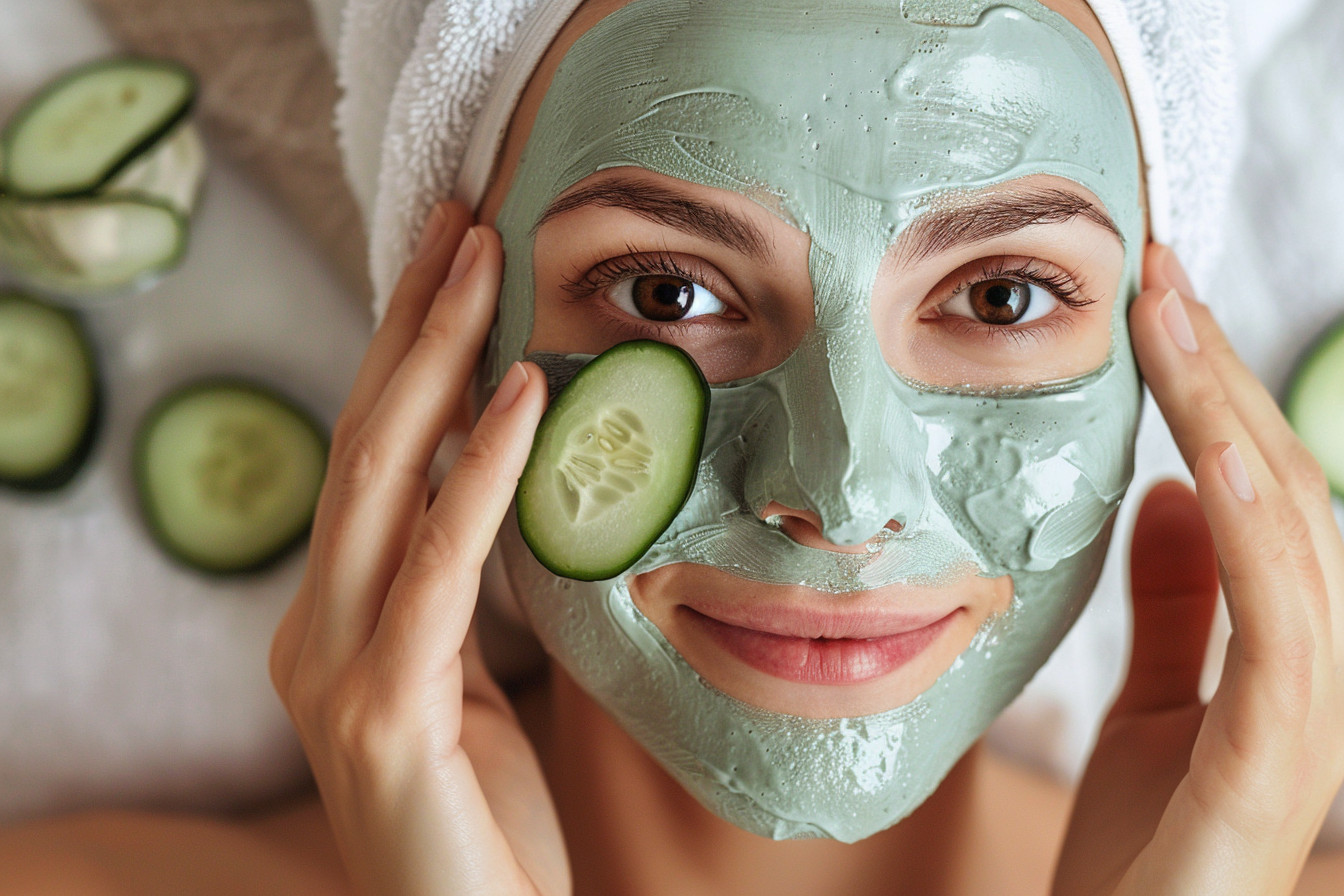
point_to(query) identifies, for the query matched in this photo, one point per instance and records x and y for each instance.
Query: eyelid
(1071, 289)
(638, 263)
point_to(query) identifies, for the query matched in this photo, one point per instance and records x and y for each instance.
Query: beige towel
(267, 95)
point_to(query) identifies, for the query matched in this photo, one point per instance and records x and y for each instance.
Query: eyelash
(614, 270)
(1069, 290)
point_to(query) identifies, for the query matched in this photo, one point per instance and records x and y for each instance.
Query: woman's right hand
(428, 781)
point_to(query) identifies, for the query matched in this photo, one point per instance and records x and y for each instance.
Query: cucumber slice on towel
(91, 244)
(228, 474)
(1315, 404)
(86, 126)
(614, 460)
(48, 394)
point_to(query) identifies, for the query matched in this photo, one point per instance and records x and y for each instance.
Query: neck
(631, 828)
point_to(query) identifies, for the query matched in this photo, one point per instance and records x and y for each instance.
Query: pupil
(1000, 301)
(663, 298)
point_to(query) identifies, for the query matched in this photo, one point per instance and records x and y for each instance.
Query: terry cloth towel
(430, 86)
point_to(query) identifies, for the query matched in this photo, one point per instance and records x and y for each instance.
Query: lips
(810, 647)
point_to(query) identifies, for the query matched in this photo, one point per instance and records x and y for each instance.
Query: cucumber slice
(92, 244)
(614, 460)
(48, 394)
(1315, 404)
(84, 127)
(228, 474)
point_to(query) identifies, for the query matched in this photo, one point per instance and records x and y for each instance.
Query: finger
(1185, 386)
(410, 301)
(1270, 572)
(380, 485)
(1174, 587)
(1296, 471)
(1265, 546)
(430, 604)
(441, 234)
(1291, 463)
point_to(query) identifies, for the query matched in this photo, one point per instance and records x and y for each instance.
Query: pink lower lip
(820, 660)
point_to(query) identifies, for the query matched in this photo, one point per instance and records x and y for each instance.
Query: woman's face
(899, 240)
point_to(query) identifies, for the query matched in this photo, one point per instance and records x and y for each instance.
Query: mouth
(808, 647)
(821, 655)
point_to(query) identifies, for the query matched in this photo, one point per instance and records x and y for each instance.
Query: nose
(804, 527)
(837, 443)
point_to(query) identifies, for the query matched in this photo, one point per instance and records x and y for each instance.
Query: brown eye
(1000, 301)
(664, 298)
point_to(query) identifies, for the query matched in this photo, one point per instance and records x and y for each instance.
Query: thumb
(1173, 571)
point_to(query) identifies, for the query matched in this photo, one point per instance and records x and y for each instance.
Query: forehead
(876, 107)
(714, 34)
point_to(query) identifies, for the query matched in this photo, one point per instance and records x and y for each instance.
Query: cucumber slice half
(91, 244)
(614, 460)
(49, 397)
(1314, 404)
(83, 128)
(228, 473)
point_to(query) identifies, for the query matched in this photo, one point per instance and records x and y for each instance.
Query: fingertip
(1162, 268)
(1145, 306)
(1167, 497)
(1170, 515)
(1207, 469)
(1174, 588)
(536, 379)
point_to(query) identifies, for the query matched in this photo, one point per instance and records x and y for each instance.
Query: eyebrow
(933, 232)
(941, 230)
(663, 206)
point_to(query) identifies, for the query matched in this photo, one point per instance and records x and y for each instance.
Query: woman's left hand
(1228, 798)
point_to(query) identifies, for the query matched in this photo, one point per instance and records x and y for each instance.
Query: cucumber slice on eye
(48, 394)
(614, 460)
(228, 474)
(1315, 404)
(84, 127)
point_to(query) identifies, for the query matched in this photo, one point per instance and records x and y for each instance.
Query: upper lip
(871, 614)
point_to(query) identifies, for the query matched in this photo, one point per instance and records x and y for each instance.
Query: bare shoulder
(285, 849)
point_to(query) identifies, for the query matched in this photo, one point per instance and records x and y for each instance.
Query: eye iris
(662, 298)
(1000, 301)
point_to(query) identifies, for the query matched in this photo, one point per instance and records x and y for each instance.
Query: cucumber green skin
(60, 285)
(161, 534)
(65, 470)
(97, 179)
(1330, 342)
(573, 392)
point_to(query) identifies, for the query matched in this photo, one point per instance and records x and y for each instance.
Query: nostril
(804, 527)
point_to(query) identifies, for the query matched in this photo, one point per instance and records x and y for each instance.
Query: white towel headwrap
(430, 86)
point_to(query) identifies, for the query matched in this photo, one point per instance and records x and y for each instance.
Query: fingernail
(465, 258)
(1235, 475)
(1177, 322)
(509, 389)
(1175, 273)
(433, 229)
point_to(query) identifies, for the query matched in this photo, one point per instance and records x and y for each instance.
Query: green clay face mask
(853, 117)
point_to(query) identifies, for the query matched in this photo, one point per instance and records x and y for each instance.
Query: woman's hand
(1227, 798)
(429, 783)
